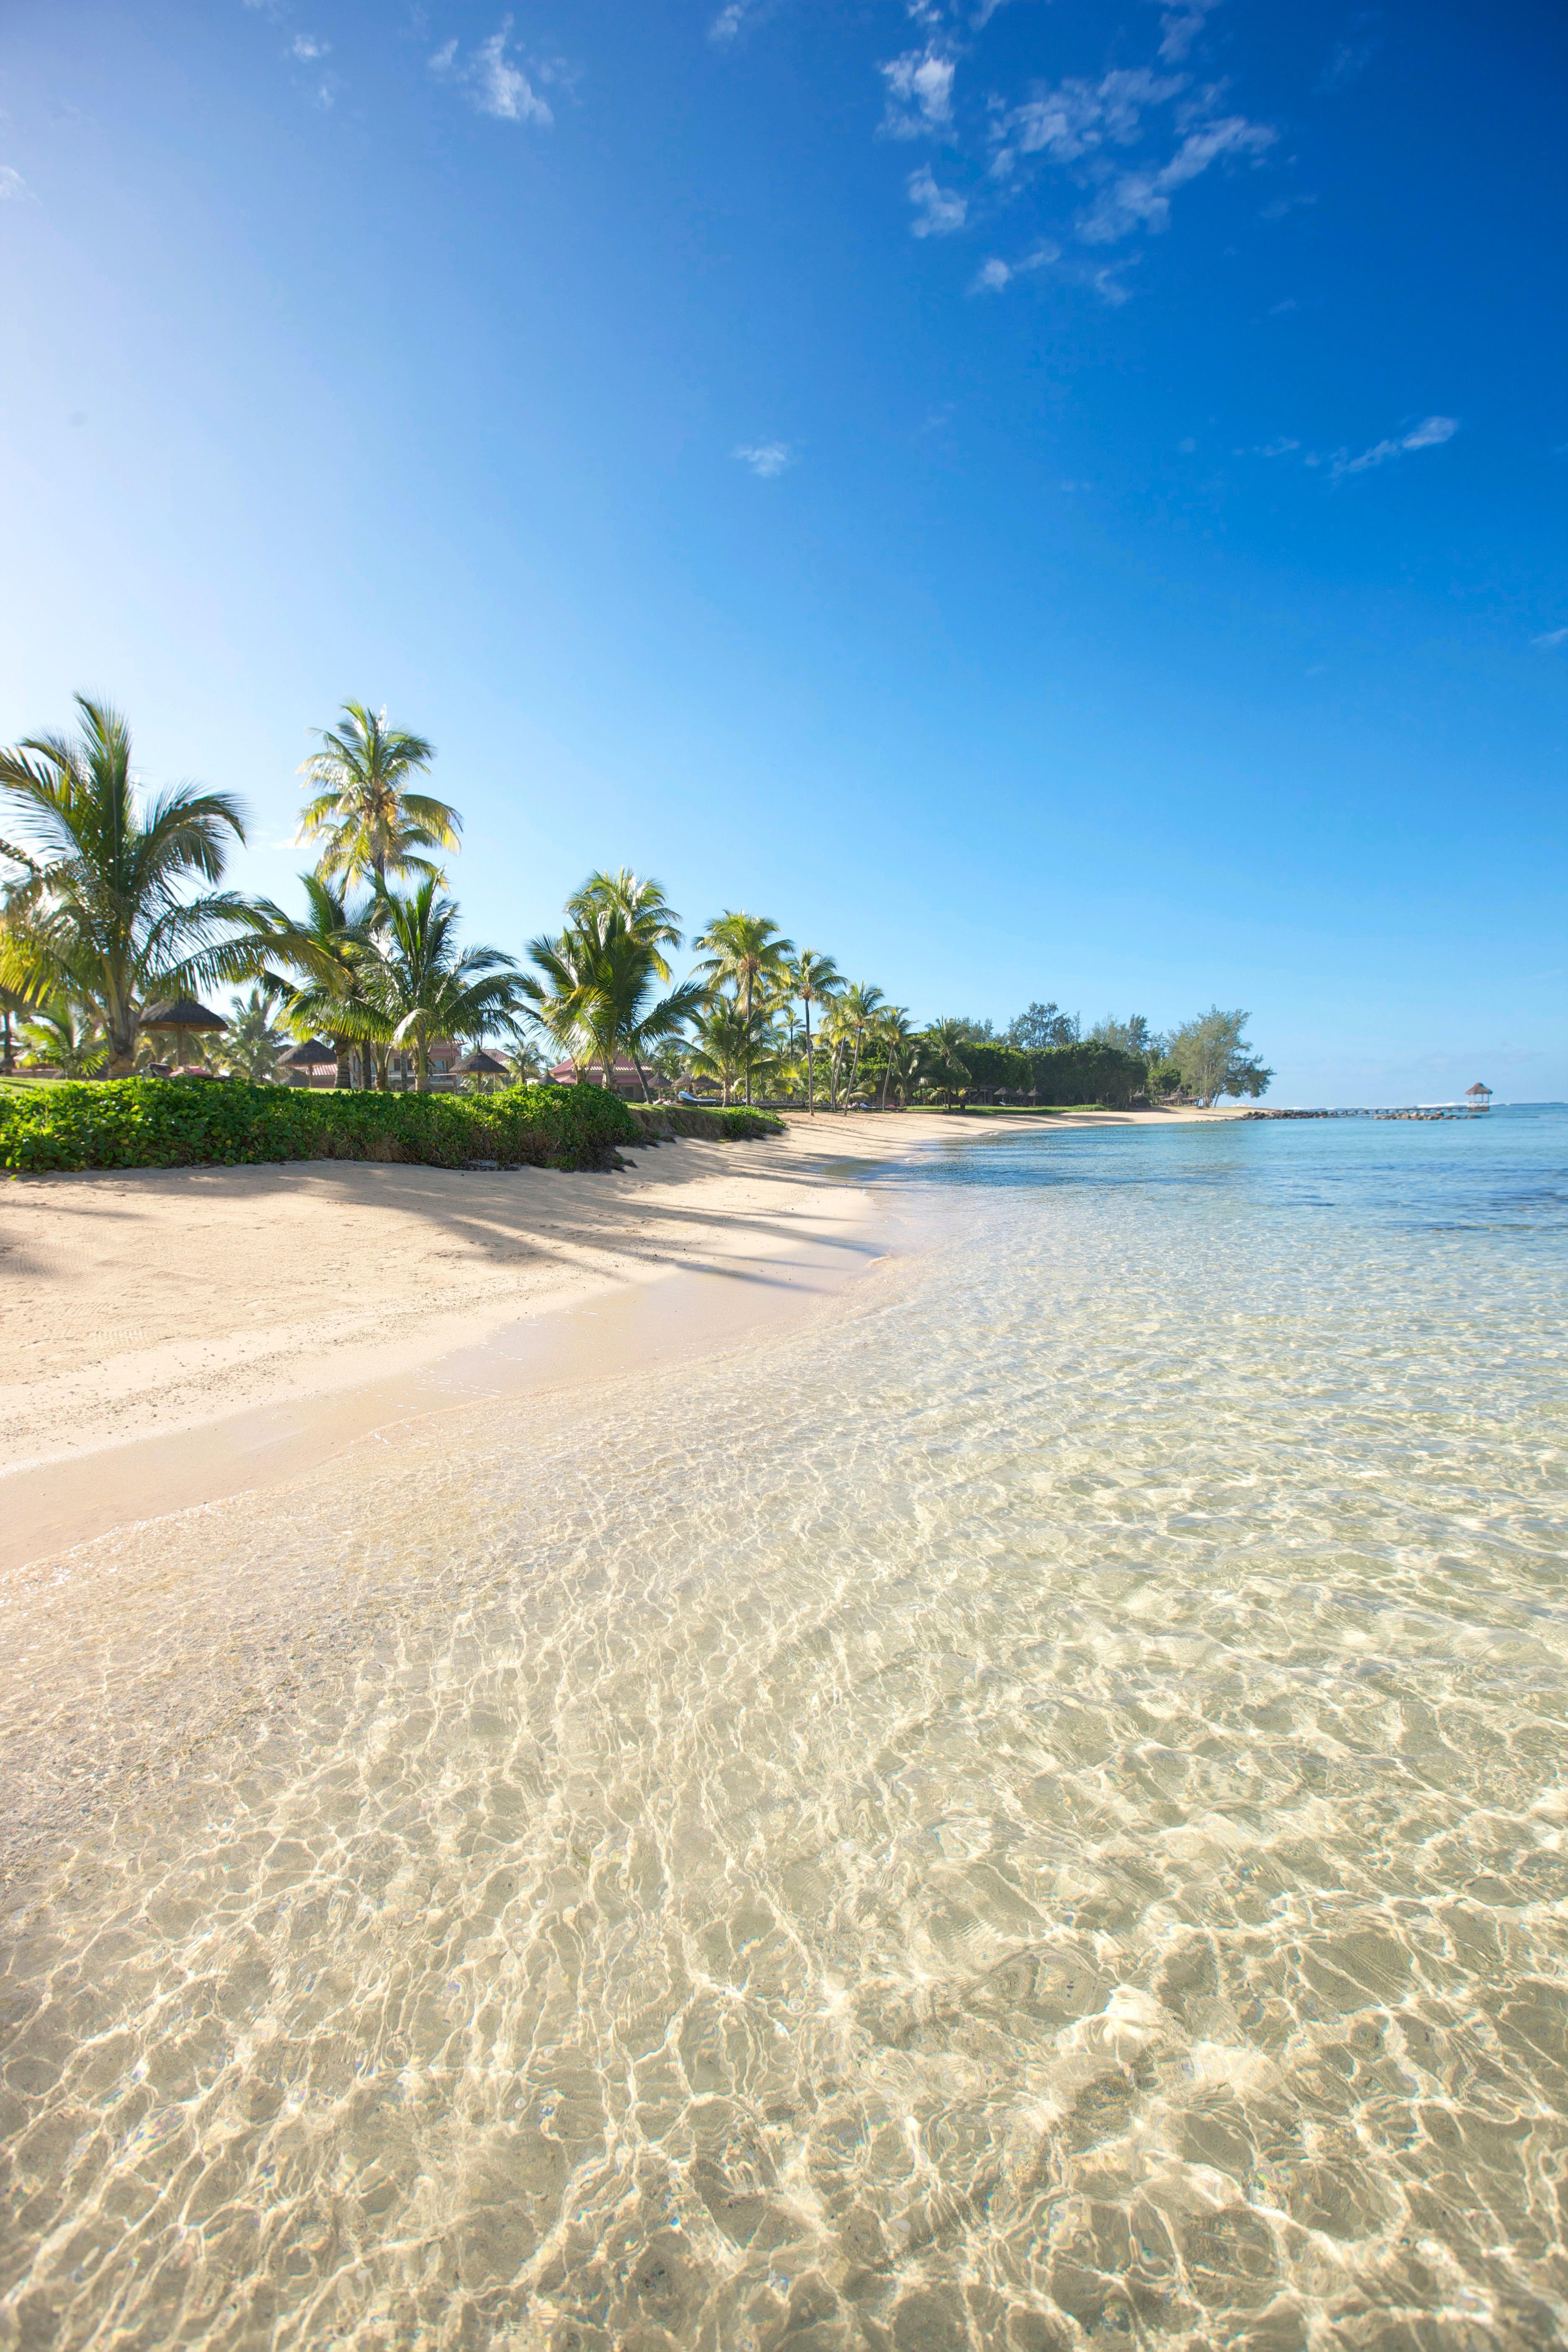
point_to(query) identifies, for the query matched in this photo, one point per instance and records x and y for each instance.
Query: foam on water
(1030, 1813)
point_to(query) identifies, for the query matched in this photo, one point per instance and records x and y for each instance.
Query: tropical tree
(811, 979)
(746, 953)
(69, 1035)
(941, 1055)
(895, 1035)
(858, 1008)
(369, 824)
(255, 1045)
(109, 904)
(330, 983)
(592, 991)
(423, 986)
(732, 1045)
(1212, 1056)
(642, 905)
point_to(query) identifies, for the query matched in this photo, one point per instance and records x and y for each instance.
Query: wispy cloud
(12, 183)
(1280, 448)
(306, 47)
(766, 458)
(1136, 200)
(938, 210)
(1552, 638)
(1430, 434)
(1352, 57)
(995, 274)
(1076, 117)
(493, 85)
(919, 92)
(1180, 27)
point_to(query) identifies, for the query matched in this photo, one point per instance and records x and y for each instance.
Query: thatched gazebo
(182, 1013)
(312, 1056)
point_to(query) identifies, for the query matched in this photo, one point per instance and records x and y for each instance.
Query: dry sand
(170, 1336)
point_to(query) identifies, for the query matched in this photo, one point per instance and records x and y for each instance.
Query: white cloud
(1136, 200)
(728, 20)
(941, 210)
(305, 46)
(1351, 60)
(1280, 448)
(1430, 434)
(495, 87)
(920, 93)
(1078, 116)
(766, 458)
(1180, 28)
(12, 183)
(1552, 638)
(993, 275)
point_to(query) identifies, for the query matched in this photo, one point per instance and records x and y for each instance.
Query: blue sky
(1045, 501)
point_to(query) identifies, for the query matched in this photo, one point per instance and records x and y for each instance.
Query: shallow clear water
(1031, 1812)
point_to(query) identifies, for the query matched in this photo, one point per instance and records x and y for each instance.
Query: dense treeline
(112, 920)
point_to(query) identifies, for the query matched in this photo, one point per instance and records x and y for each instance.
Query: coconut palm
(894, 1032)
(812, 979)
(109, 904)
(941, 1053)
(423, 986)
(731, 1046)
(858, 1008)
(641, 904)
(327, 983)
(743, 950)
(253, 1047)
(368, 821)
(593, 990)
(69, 1035)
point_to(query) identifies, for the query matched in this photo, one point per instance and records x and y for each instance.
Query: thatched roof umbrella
(312, 1055)
(181, 1013)
(479, 1064)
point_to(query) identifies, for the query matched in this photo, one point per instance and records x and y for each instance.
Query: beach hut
(482, 1066)
(182, 1014)
(1479, 1097)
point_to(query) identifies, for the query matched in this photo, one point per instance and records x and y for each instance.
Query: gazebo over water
(1479, 1097)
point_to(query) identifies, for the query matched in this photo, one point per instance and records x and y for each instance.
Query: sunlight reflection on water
(1030, 1813)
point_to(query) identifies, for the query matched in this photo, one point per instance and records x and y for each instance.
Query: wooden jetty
(1410, 1110)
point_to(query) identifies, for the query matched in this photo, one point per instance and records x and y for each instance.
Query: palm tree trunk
(642, 1073)
(810, 1086)
(421, 1065)
(345, 1076)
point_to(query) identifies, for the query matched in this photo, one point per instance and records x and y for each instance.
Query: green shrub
(1085, 1073)
(661, 1122)
(193, 1122)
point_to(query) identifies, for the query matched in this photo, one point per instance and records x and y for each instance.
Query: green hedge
(1086, 1073)
(195, 1122)
(664, 1122)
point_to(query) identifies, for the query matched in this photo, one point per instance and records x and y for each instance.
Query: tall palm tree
(812, 979)
(941, 1053)
(744, 950)
(368, 821)
(642, 904)
(592, 991)
(109, 904)
(858, 1007)
(328, 985)
(894, 1032)
(425, 986)
(732, 1045)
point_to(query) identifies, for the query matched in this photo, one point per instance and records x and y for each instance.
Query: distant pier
(1411, 1110)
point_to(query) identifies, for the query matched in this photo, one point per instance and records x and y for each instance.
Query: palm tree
(332, 993)
(941, 1052)
(730, 1046)
(593, 997)
(254, 1046)
(102, 898)
(744, 949)
(811, 980)
(370, 825)
(423, 986)
(858, 1007)
(67, 1035)
(895, 1032)
(641, 904)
